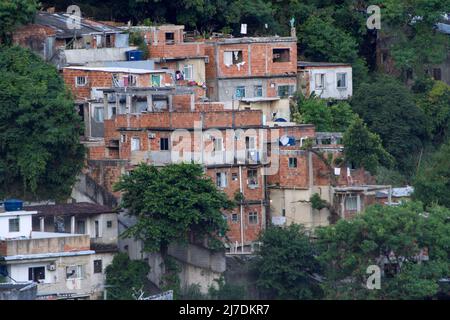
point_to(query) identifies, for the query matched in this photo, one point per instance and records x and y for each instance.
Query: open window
(170, 38)
(232, 57)
(281, 55)
(221, 179)
(319, 79)
(341, 80)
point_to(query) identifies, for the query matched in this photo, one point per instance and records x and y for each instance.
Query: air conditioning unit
(51, 267)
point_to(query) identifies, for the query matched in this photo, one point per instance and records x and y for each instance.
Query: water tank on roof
(134, 55)
(13, 205)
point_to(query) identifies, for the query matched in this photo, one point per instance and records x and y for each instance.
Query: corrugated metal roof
(78, 209)
(120, 70)
(61, 22)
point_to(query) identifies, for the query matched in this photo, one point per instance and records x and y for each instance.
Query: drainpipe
(242, 209)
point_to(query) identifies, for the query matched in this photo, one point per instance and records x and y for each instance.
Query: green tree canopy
(364, 148)
(432, 183)
(395, 235)
(40, 151)
(124, 275)
(285, 264)
(389, 110)
(435, 103)
(14, 13)
(172, 203)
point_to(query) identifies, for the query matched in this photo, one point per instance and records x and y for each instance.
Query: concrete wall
(198, 66)
(85, 56)
(297, 207)
(56, 281)
(65, 243)
(269, 108)
(25, 224)
(331, 90)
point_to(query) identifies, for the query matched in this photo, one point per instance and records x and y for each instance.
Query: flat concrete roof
(322, 64)
(119, 70)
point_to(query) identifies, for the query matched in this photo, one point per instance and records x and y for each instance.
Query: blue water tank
(13, 205)
(134, 55)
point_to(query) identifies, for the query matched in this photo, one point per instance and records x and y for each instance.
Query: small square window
(74, 272)
(109, 224)
(253, 218)
(14, 225)
(98, 268)
(234, 218)
(164, 144)
(292, 162)
(135, 144)
(170, 37)
(281, 55)
(240, 92)
(234, 176)
(81, 81)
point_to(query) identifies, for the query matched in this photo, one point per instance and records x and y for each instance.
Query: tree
(171, 204)
(388, 108)
(435, 103)
(315, 111)
(432, 183)
(14, 13)
(364, 148)
(285, 264)
(124, 276)
(40, 150)
(393, 239)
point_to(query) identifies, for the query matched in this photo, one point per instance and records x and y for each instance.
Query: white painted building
(325, 80)
(63, 264)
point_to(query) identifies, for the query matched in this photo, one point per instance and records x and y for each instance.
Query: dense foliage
(173, 203)
(389, 110)
(40, 151)
(286, 264)
(125, 276)
(13, 13)
(364, 149)
(395, 234)
(432, 183)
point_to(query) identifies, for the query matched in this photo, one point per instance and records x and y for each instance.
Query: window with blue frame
(258, 91)
(240, 92)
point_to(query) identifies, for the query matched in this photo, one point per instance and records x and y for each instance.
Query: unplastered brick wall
(103, 79)
(257, 59)
(32, 36)
(178, 50)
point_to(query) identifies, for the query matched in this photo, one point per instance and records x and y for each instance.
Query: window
(132, 80)
(14, 225)
(221, 179)
(234, 176)
(252, 177)
(292, 162)
(240, 92)
(99, 114)
(108, 41)
(74, 272)
(109, 224)
(285, 90)
(81, 81)
(234, 218)
(319, 78)
(232, 57)
(188, 71)
(217, 144)
(36, 274)
(250, 143)
(135, 144)
(253, 218)
(156, 80)
(351, 203)
(341, 80)
(164, 144)
(123, 138)
(98, 266)
(81, 227)
(437, 74)
(281, 55)
(97, 229)
(170, 37)
(258, 91)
